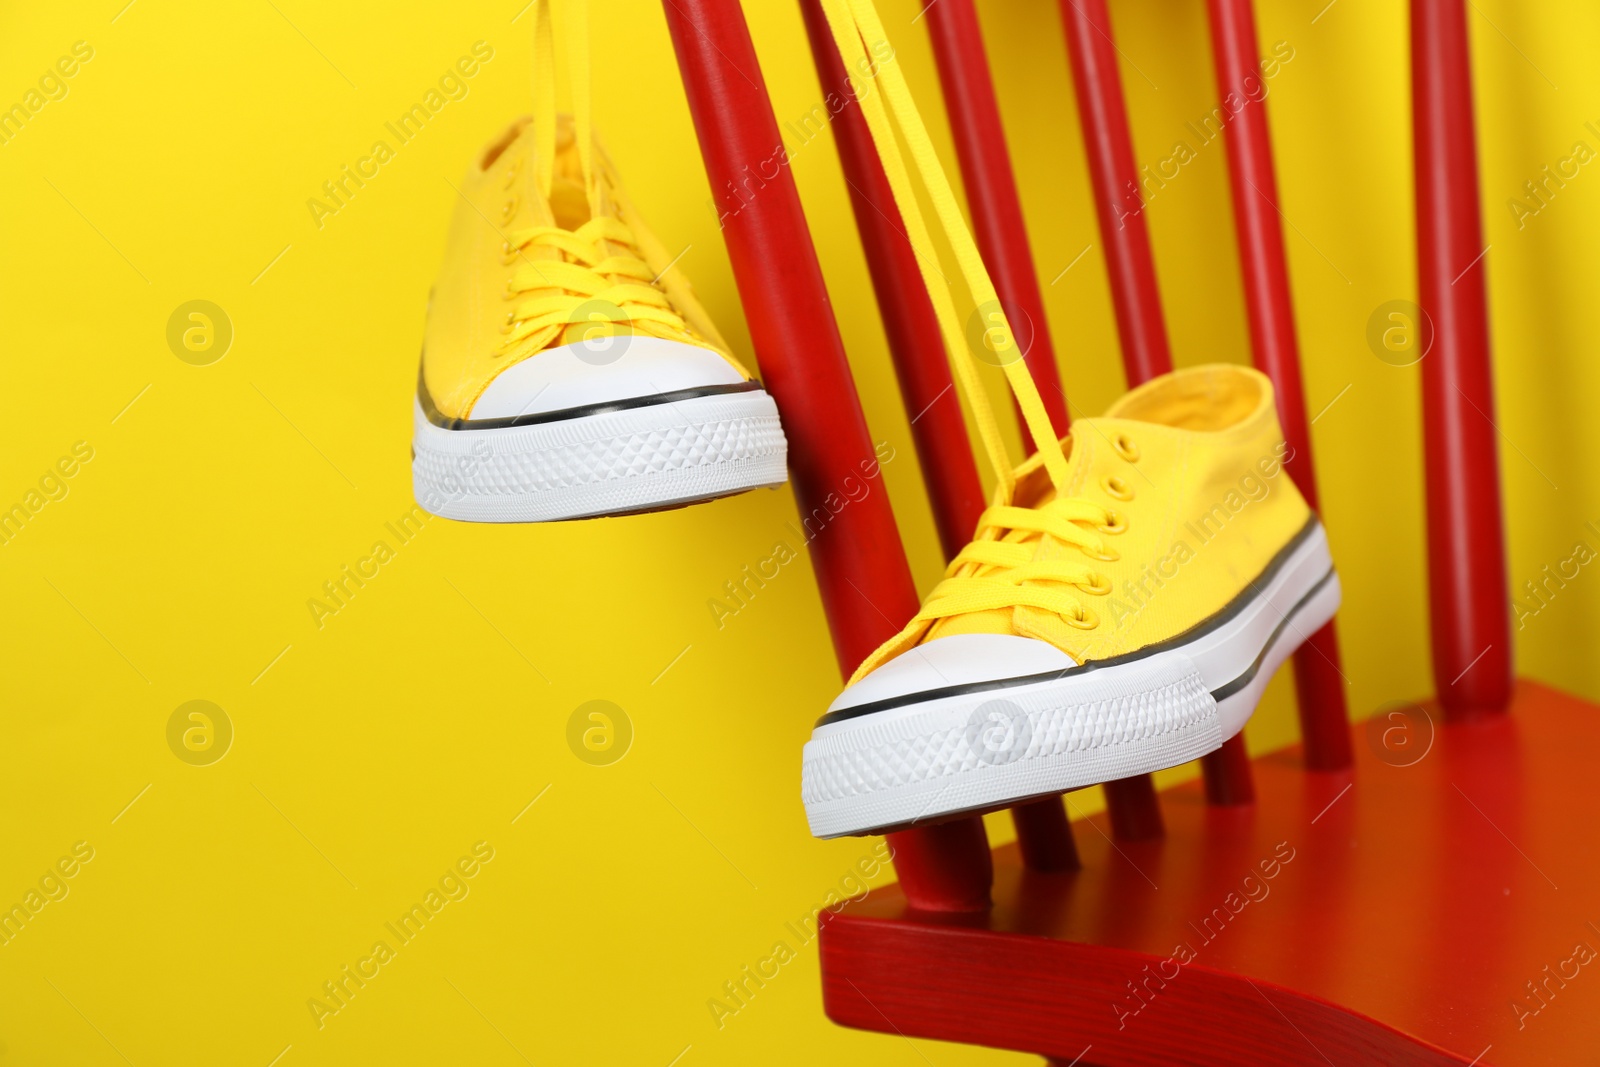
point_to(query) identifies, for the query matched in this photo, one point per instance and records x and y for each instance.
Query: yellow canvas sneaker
(1126, 625)
(568, 370)
(1126, 597)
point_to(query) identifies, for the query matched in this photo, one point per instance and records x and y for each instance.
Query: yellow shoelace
(998, 569)
(599, 284)
(591, 289)
(561, 33)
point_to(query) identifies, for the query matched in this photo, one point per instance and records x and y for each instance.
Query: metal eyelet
(1117, 488)
(1102, 586)
(1125, 447)
(509, 253)
(1084, 620)
(512, 172)
(510, 324)
(1106, 554)
(512, 206)
(510, 293)
(1117, 523)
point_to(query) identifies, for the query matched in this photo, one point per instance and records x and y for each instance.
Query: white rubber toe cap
(614, 368)
(962, 660)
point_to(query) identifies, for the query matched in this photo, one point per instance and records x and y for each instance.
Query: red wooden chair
(1431, 898)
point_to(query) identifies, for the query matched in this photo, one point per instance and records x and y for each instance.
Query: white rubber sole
(986, 747)
(634, 459)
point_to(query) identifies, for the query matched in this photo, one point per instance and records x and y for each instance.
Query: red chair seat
(1409, 910)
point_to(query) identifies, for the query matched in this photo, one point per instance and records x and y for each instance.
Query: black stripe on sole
(1221, 694)
(1198, 630)
(445, 422)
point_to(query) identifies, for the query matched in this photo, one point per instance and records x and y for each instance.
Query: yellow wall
(372, 753)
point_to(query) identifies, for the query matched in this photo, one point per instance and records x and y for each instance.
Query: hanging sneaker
(568, 371)
(1127, 595)
(1127, 627)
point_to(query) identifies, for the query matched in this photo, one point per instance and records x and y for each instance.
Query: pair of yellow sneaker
(1121, 607)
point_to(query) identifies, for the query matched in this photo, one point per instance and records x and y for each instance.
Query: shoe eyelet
(512, 172)
(510, 323)
(1117, 488)
(509, 253)
(512, 205)
(1084, 620)
(1106, 554)
(1102, 586)
(1124, 447)
(510, 293)
(1116, 523)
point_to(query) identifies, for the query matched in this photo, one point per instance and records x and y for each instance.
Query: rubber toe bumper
(637, 454)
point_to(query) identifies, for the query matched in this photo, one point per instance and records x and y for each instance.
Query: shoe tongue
(569, 200)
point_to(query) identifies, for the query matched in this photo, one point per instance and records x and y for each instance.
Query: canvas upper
(1181, 501)
(628, 323)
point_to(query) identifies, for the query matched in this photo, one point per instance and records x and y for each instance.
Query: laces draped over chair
(999, 568)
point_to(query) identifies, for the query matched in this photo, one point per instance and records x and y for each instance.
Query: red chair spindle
(926, 388)
(1229, 781)
(1118, 202)
(946, 867)
(1467, 589)
(1044, 835)
(1134, 808)
(1319, 683)
(1108, 145)
(860, 565)
(992, 193)
(1227, 773)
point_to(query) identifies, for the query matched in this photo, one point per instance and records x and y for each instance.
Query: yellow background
(426, 715)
